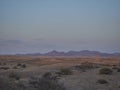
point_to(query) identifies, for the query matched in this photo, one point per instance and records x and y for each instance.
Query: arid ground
(70, 73)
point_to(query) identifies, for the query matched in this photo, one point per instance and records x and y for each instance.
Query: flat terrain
(85, 71)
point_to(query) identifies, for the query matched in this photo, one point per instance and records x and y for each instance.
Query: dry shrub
(21, 65)
(65, 71)
(14, 75)
(102, 81)
(4, 68)
(8, 84)
(5, 84)
(118, 70)
(106, 71)
(46, 82)
(86, 66)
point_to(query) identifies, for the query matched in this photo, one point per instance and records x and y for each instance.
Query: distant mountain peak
(74, 53)
(53, 51)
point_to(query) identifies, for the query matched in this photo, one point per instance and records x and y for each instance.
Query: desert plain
(59, 73)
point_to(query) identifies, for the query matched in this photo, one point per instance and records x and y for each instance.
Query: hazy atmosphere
(28, 26)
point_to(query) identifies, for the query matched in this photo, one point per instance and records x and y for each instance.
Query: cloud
(10, 42)
(11, 46)
(20, 46)
(47, 44)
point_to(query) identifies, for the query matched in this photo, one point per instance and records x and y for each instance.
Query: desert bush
(102, 81)
(14, 75)
(47, 75)
(118, 70)
(4, 68)
(5, 84)
(4, 63)
(114, 67)
(21, 86)
(19, 64)
(105, 71)
(15, 67)
(23, 65)
(46, 82)
(85, 66)
(8, 84)
(65, 71)
(80, 67)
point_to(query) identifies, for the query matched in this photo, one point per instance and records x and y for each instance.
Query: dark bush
(19, 64)
(14, 75)
(21, 86)
(105, 71)
(4, 63)
(6, 84)
(118, 70)
(102, 81)
(23, 65)
(65, 71)
(15, 67)
(46, 82)
(4, 68)
(47, 75)
(86, 66)
(114, 67)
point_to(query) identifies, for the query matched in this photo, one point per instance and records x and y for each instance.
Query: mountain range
(73, 53)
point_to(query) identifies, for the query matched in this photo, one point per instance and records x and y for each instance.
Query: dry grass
(54, 60)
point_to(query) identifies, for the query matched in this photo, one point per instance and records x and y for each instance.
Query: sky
(29, 26)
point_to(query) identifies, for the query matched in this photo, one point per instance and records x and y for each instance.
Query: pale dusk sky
(28, 26)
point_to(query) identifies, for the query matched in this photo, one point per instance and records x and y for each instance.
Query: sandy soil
(79, 80)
